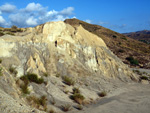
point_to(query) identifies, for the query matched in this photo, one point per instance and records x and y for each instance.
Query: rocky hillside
(143, 36)
(55, 67)
(132, 52)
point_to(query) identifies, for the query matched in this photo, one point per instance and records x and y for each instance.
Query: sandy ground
(131, 98)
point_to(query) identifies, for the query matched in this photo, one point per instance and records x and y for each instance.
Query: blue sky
(119, 15)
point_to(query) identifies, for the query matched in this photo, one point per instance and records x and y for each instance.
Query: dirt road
(132, 98)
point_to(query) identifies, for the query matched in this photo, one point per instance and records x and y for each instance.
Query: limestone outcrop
(54, 50)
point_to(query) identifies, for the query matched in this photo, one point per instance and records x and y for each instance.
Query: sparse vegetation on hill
(132, 60)
(10, 31)
(37, 102)
(34, 78)
(67, 80)
(66, 107)
(116, 42)
(30, 77)
(143, 36)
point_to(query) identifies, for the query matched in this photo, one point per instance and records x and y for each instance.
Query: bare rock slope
(38, 63)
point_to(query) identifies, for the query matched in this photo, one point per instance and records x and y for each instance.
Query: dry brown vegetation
(37, 102)
(9, 31)
(120, 44)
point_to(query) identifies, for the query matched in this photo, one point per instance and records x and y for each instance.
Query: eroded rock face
(58, 48)
(59, 43)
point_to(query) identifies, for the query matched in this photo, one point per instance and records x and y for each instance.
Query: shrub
(24, 89)
(57, 75)
(79, 107)
(42, 100)
(10, 33)
(119, 43)
(66, 107)
(45, 74)
(34, 78)
(67, 80)
(114, 36)
(124, 38)
(144, 77)
(77, 97)
(1, 33)
(121, 51)
(66, 91)
(102, 94)
(13, 70)
(137, 72)
(51, 111)
(29, 78)
(76, 90)
(25, 79)
(1, 74)
(14, 28)
(40, 81)
(0, 60)
(145, 73)
(132, 60)
(37, 102)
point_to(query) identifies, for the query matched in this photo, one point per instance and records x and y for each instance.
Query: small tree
(132, 60)
(14, 28)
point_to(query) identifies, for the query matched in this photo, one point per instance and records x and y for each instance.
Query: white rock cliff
(56, 48)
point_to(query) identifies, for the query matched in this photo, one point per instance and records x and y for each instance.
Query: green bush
(1, 33)
(13, 70)
(24, 89)
(102, 94)
(25, 79)
(124, 38)
(31, 77)
(77, 97)
(76, 90)
(0, 61)
(57, 75)
(79, 107)
(14, 28)
(114, 36)
(137, 72)
(51, 111)
(34, 78)
(37, 102)
(1, 74)
(67, 80)
(66, 107)
(42, 100)
(144, 77)
(121, 51)
(10, 33)
(132, 60)
(45, 74)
